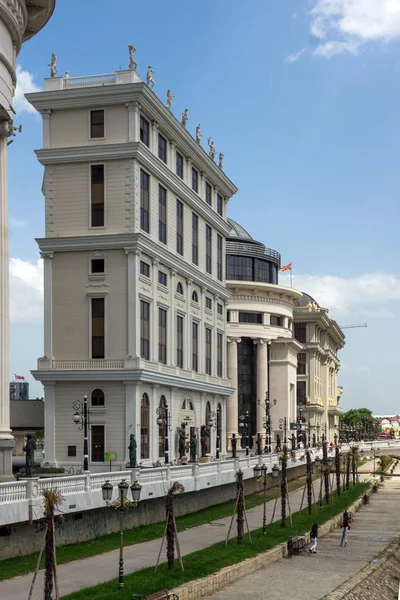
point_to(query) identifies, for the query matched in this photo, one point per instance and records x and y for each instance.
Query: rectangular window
(144, 131)
(144, 268)
(162, 214)
(219, 257)
(162, 336)
(301, 364)
(97, 442)
(220, 204)
(179, 165)
(208, 350)
(301, 390)
(145, 330)
(195, 239)
(97, 195)
(195, 346)
(208, 303)
(71, 450)
(300, 332)
(220, 309)
(208, 193)
(98, 327)
(144, 201)
(179, 342)
(97, 265)
(208, 249)
(162, 278)
(179, 227)
(277, 321)
(195, 180)
(162, 148)
(96, 124)
(219, 354)
(247, 317)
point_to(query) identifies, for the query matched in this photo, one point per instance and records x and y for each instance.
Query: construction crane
(353, 326)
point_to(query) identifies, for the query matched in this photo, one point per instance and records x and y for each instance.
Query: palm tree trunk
(240, 507)
(283, 487)
(326, 471)
(309, 481)
(49, 561)
(170, 530)
(337, 469)
(348, 461)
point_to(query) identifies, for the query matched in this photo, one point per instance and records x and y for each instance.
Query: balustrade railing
(66, 485)
(90, 81)
(87, 365)
(13, 491)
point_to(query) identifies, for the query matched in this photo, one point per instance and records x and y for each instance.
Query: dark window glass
(98, 327)
(301, 393)
(97, 195)
(220, 309)
(144, 201)
(208, 303)
(195, 239)
(228, 316)
(301, 364)
(97, 265)
(219, 257)
(179, 165)
(239, 268)
(208, 249)
(162, 278)
(220, 204)
(97, 398)
(247, 383)
(195, 297)
(162, 336)
(96, 124)
(145, 427)
(144, 268)
(277, 321)
(300, 332)
(179, 288)
(162, 214)
(179, 227)
(179, 342)
(145, 330)
(195, 180)
(162, 148)
(195, 347)
(208, 350)
(97, 439)
(71, 450)
(208, 193)
(262, 270)
(219, 354)
(144, 131)
(248, 317)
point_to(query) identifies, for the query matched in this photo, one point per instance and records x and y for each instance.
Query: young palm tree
(176, 488)
(309, 481)
(240, 507)
(326, 471)
(337, 469)
(348, 462)
(284, 486)
(52, 502)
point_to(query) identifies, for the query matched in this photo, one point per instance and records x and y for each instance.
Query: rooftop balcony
(67, 83)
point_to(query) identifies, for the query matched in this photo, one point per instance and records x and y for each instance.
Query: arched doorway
(144, 427)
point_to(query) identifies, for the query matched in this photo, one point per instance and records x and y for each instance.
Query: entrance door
(97, 439)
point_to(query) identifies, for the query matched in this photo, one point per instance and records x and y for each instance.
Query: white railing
(87, 365)
(97, 479)
(90, 81)
(67, 485)
(13, 491)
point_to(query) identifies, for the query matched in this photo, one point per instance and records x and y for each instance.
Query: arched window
(187, 404)
(144, 427)
(195, 297)
(161, 421)
(179, 288)
(98, 398)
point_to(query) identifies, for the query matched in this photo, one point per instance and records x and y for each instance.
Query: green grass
(21, 565)
(212, 559)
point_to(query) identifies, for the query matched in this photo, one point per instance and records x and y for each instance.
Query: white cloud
(26, 291)
(294, 57)
(17, 223)
(365, 293)
(347, 25)
(25, 85)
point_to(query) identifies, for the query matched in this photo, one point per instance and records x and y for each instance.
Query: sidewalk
(312, 577)
(84, 573)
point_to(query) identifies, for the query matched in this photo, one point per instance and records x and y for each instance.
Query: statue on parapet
(29, 450)
(132, 62)
(182, 440)
(149, 77)
(212, 151)
(193, 448)
(132, 452)
(170, 97)
(221, 160)
(204, 437)
(233, 445)
(53, 65)
(185, 116)
(198, 134)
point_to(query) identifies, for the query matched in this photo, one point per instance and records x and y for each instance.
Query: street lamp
(267, 422)
(81, 419)
(164, 420)
(121, 504)
(244, 424)
(214, 424)
(260, 473)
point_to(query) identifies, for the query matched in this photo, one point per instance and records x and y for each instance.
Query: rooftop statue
(212, 151)
(185, 116)
(132, 62)
(221, 160)
(170, 97)
(198, 134)
(149, 77)
(53, 65)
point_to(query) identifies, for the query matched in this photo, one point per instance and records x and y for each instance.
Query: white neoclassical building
(134, 271)
(19, 21)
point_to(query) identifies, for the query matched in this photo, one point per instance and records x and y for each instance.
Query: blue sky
(302, 97)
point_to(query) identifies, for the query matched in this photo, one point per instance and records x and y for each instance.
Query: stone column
(50, 424)
(171, 356)
(187, 330)
(133, 121)
(262, 382)
(202, 335)
(154, 137)
(171, 157)
(46, 114)
(232, 414)
(154, 308)
(6, 438)
(133, 350)
(48, 303)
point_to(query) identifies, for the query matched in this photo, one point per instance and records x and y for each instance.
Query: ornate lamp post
(164, 420)
(267, 422)
(214, 423)
(244, 424)
(121, 504)
(260, 473)
(81, 418)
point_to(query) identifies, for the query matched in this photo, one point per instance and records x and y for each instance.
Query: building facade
(262, 353)
(134, 274)
(19, 21)
(318, 394)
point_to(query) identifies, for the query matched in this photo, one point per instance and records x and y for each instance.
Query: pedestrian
(314, 538)
(346, 528)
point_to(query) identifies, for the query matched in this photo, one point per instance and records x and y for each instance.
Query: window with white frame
(97, 124)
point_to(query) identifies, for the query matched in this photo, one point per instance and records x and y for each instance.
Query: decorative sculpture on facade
(204, 436)
(198, 134)
(185, 116)
(233, 445)
(212, 151)
(132, 62)
(149, 77)
(29, 450)
(221, 160)
(182, 440)
(132, 452)
(66, 76)
(170, 97)
(193, 448)
(53, 65)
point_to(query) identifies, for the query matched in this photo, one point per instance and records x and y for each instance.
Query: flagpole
(291, 273)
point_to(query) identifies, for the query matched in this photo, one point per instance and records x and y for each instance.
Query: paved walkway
(313, 576)
(87, 572)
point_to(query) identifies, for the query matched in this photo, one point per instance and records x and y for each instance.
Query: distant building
(19, 390)
(26, 416)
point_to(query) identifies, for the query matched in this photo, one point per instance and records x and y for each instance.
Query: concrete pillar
(232, 402)
(46, 114)
(262, 382)
(133, 304)
(50, 424)
(6, 439)
(48, 303)
(133, 121)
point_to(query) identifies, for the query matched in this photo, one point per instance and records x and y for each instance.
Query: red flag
(287, 267)
(19, 378)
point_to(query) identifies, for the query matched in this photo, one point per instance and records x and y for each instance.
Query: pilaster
(262, 381)
(46, 114)
(232, 416)
(202, 334)
(48, 303)
(133, 121)
(154, 328)
(50, 424)
(172, 324)
(133, 303)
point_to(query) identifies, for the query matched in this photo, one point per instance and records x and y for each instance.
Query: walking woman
(346, 528)
(314, 538)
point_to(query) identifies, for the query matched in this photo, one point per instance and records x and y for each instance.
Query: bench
(161, 595)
